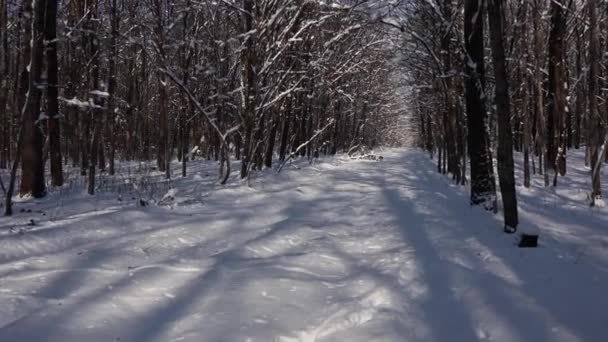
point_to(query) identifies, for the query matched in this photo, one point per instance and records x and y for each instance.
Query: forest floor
(341, 250)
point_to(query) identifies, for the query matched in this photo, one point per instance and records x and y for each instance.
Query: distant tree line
(86, 83)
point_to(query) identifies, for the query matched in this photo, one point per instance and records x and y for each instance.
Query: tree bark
(96, 111)
(112, 85)
(54, 127)
(556, 102)
(248, 111)
(32, 161)
(506, 176)
(5, 117)
(595, 121)
(483, 186)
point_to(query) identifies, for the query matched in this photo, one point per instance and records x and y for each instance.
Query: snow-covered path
(338, 251)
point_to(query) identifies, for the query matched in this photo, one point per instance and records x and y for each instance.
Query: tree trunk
(483, 187)
(112, 86)
(556, 102)
(595, 121)
(580, 94)
(5, 117)
(506, 176)
(271, 141)
(285, 133)
(96, 111)
(50, 36)
(248, 111)
(32, 175)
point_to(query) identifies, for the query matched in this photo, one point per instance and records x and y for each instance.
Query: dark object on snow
(32, 222)
(528, 240)
(143, 203)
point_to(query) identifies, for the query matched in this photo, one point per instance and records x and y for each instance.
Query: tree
(556, 92)
(483, 184)
(5, 145)
(54, 128)
(248, 95)
(110, 110)
(596, 146)
(95, 102)
(32, 176)
(506, 169)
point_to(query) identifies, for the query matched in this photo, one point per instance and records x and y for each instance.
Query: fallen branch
(294, 153)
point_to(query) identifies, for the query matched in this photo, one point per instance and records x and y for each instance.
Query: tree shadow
(399, 205)
(532, 307)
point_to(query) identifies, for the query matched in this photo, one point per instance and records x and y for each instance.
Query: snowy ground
(338, 251)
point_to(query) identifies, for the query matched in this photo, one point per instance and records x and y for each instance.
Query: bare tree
(506, 169)
(483, 184)
(32, 175)
(596, 145)
(54, 127)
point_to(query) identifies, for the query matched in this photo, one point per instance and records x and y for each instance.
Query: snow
(78, 103)
(42, 116)
(341, 250)
(99, 93)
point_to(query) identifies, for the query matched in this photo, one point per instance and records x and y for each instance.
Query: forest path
(342, 250)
